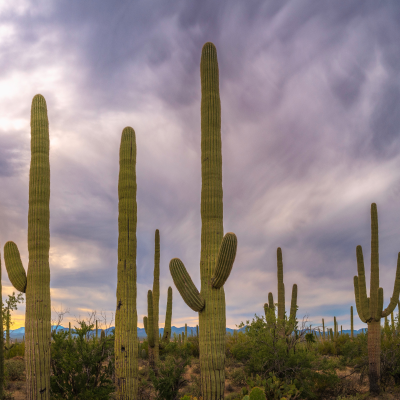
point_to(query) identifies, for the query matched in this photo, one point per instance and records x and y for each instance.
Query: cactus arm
(168, 317)
(293, 306)
(379, 305)
(374, 283)
(15, 270)
(281, 286)
(185, 285)
(150, 330)
(271, 300)
(362, 287)
(226, 257)
(145, 324)
(357, 297)
(396, 291)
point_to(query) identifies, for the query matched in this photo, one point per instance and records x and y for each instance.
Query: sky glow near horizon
(310, 96)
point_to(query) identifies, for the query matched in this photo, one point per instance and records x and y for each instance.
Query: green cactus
(351, 323)
(185, 341)
(168, 317)
(217, 251)
(69, 333)
(156, 294)
(126, 356)
(150, 332)
(36, 284)
(323, 328)
(281, 294)
(145, 324)
(102, 334)
(370, 309)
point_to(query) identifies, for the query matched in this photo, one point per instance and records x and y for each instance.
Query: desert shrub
(265, 350)
(169, 378)
(14, 369)
(81, 368)
(16, 350)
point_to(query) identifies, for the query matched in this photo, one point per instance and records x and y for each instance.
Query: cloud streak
(310, 127)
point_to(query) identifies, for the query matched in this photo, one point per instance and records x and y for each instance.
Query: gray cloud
(310, 117)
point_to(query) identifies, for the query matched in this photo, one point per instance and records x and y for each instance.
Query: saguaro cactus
(370, 309)
(36, 284)
(217, 251)
(168, 317)
(281, 293)
(126, 349)
(351, 323)
(149, 328)
(156, 294)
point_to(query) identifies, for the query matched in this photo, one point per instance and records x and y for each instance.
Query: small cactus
(257, 394)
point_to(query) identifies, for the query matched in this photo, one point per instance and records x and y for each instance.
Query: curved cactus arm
(396, 291)
(185, 285)
(362, 287)
(271, 301)
(150, 330)
(145, 324)
(293, 306)
(357, 296)
(226, 257)
(15, 269)
(266, 309)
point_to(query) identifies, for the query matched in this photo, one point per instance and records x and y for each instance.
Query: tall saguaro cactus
(217, 251)
(36, 284)
(351, 323)
(126, 348)
(281, 292)
(156, 294)
(168, 317)
(370, 309)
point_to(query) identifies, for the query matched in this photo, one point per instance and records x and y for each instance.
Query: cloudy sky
(310, 94)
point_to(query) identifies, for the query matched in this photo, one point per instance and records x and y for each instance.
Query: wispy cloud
(310, 127)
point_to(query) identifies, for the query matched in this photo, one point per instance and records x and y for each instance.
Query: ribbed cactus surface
(217, 251)
(370, 309)
(36, 284)
(156, 294)
(126, 349)
(168, 317)
(281, 293)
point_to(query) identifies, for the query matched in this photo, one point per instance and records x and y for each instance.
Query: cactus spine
(370, 309)
(217, 251)
(126, 356)
(36, 284)
(168, 317)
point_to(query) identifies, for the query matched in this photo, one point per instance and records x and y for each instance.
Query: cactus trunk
(36, 284)
(168, 317)
(351, 323)
(156, 295)
(370, 309)
(126, 357)
(217, 252)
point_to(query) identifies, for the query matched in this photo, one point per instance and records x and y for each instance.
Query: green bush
(14, 369)
(257, 394)
(16, 350)
(169, 378)
(82, 368)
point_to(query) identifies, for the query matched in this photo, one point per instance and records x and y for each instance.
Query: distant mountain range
(20, 332)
